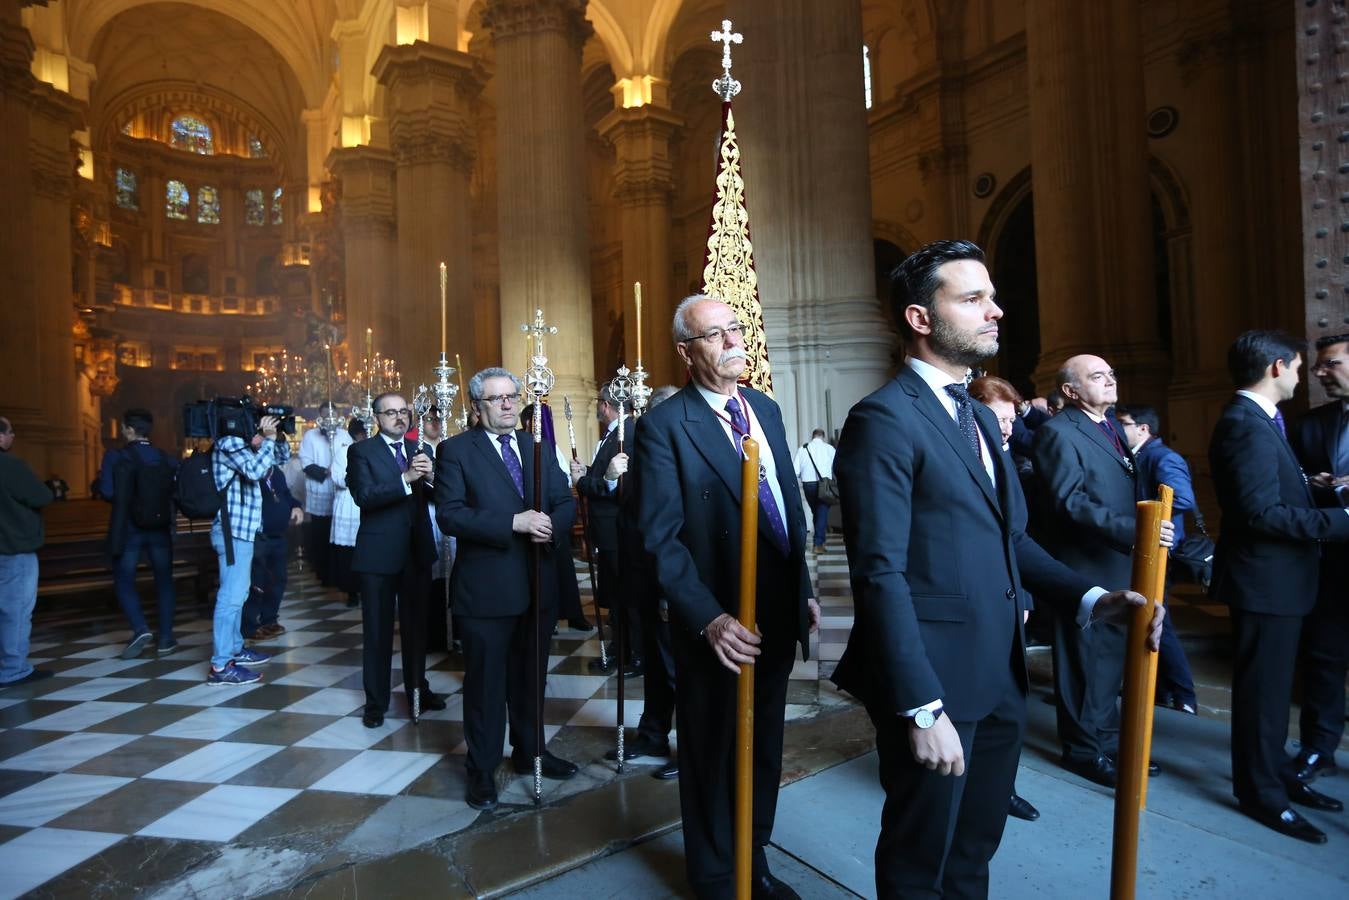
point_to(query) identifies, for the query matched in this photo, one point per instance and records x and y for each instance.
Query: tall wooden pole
(744, 698)
(1136, 719)
(1165, 496)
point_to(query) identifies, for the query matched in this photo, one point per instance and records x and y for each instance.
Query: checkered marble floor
(118, 775)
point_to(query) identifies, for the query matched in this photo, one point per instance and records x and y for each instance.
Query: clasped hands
(418, 467)
(538, 526)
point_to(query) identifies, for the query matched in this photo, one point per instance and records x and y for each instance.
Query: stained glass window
(255, 148)
(193, 135)
(208, 205)
(276, 207)
(128, 193)
(178, 200)
(255, 213)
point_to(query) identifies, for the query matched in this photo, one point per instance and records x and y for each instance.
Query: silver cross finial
(726, 87)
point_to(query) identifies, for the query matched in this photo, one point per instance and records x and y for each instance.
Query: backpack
(196, 495)
(151, 492)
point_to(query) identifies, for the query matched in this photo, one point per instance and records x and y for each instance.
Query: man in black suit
(485, 499)
(598, 483)
(934, 524)
(1087, 483)
(1265, 569)
(688, 460)
(393, 556)
(1321, 442)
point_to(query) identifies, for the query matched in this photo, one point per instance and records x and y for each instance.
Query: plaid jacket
(241, 467)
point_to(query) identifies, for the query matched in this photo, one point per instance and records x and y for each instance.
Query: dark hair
(1055, 400)
(1142, 415)
(374, 404)
(1330, 340)
(991, 389)
(1255, 351)
(356, 428)
(915, 281)
(140, 419)
(4, 425)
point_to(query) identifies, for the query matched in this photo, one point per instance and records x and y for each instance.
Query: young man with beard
(934, 524)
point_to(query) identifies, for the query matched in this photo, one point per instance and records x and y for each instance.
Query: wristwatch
(926, 718)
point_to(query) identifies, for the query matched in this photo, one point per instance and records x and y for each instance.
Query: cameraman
(239, 467)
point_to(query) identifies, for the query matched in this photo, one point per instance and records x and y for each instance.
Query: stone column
(370, 247)
(803, 132)
(644, 185)
(1093, 216)
(429, 105)
(541, 163)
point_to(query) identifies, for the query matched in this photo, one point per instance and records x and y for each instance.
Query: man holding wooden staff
(688, 466)
(934, 523)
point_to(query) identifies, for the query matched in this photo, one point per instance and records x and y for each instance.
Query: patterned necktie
(740, 425)
(965, 417)
(512, 463)
(1109, 431)
(399, 457)
(1278, 420)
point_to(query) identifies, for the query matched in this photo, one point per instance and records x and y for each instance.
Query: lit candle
(637, 290)
(369, 354)
(443, 282)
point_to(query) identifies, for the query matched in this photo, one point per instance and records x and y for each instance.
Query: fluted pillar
(803, 131)
(544, 235)
(369, 246)
(431, 91)
(644, 185)
(1093, 214)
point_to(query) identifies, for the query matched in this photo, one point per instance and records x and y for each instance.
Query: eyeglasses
(717, 335)
(498, 399)
(396, 413)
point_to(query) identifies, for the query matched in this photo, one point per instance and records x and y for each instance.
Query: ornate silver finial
(726, 87)
(539, 379)
(421, 405)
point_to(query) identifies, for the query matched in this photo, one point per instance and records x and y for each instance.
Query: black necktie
(965, 418)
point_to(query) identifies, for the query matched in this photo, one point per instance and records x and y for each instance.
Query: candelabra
(444, 390)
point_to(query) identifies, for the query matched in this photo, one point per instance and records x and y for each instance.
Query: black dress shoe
(641, 745)
(554, 767)
(766, 887)
(634, 669)
(1287, 822)
(372, 718)
(1153, 769)
(1303, 795)
(1021, 809)
(431, 700)
(581, 624)
(667, 771)
(35, 675)
(1099, 770)
(482, 790)
(1311, 765)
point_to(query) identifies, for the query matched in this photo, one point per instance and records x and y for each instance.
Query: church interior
(221, 197)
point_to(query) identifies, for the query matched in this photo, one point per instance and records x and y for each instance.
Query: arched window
(208, 205)
(866, 74)
(193, 135)
(255, 213)
(178, 199)
(255, 148)
(128, 191)
(276, 207)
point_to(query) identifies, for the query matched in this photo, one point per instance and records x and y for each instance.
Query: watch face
(924, 718)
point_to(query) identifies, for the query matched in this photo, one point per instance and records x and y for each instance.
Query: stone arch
(612, 38)
(1007, 236)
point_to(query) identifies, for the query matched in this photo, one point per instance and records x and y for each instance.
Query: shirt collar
(390, 441)
(714, 400)
(612, 425)
(1261, 401)
(936, 379)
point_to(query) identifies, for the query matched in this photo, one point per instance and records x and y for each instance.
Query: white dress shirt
(718, 404)
(817, 454)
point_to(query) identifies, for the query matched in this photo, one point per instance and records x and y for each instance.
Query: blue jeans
(158, 546)
(820, 511)
(229, 600)
(269, 582)
(18, 596)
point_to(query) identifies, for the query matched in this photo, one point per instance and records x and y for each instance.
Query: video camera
(237, 416)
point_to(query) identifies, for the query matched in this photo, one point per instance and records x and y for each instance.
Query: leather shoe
(1021, 809)
(432, 701)
(35, 675)
(554, 767)
(1303, 795)
(481, 792)
(766, 887)
(372, 718)
(1153, 769)
(641, 745)
(1311, 765)
(1099, 770)
(1287, 822)
(667, 771)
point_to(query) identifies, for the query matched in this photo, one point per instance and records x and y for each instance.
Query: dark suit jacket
(476, 501)
(938, 557)
(395, 526)
(1158, 464)
(602, 506)
(689, 515)
(1315, 442)
(1089, 497)
(1268, 550)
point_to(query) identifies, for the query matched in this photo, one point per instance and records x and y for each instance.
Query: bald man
(1087, 486)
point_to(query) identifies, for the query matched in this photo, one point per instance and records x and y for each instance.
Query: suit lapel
(932, 408)
(705, 433)
(483, 441)
(1093, 431)
(1253, 409)
(386, 451)
(1002, 468)
(784, 466)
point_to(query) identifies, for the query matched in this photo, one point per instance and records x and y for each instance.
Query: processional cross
(726, 86)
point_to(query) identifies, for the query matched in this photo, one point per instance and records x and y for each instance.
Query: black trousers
(938, 832)
(705, 699)
(317, 548)
(380, 595)
(1325, 657)
(343, 578)
(1088, 674)
(621, 603)
(568, 591)
(659, 676)
(437, 616)
(1262, 688)
(501, 683)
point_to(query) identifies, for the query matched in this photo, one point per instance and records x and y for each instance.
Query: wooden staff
(744, 698)
(583, 511)
(1136, 719)
(1165, 496)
